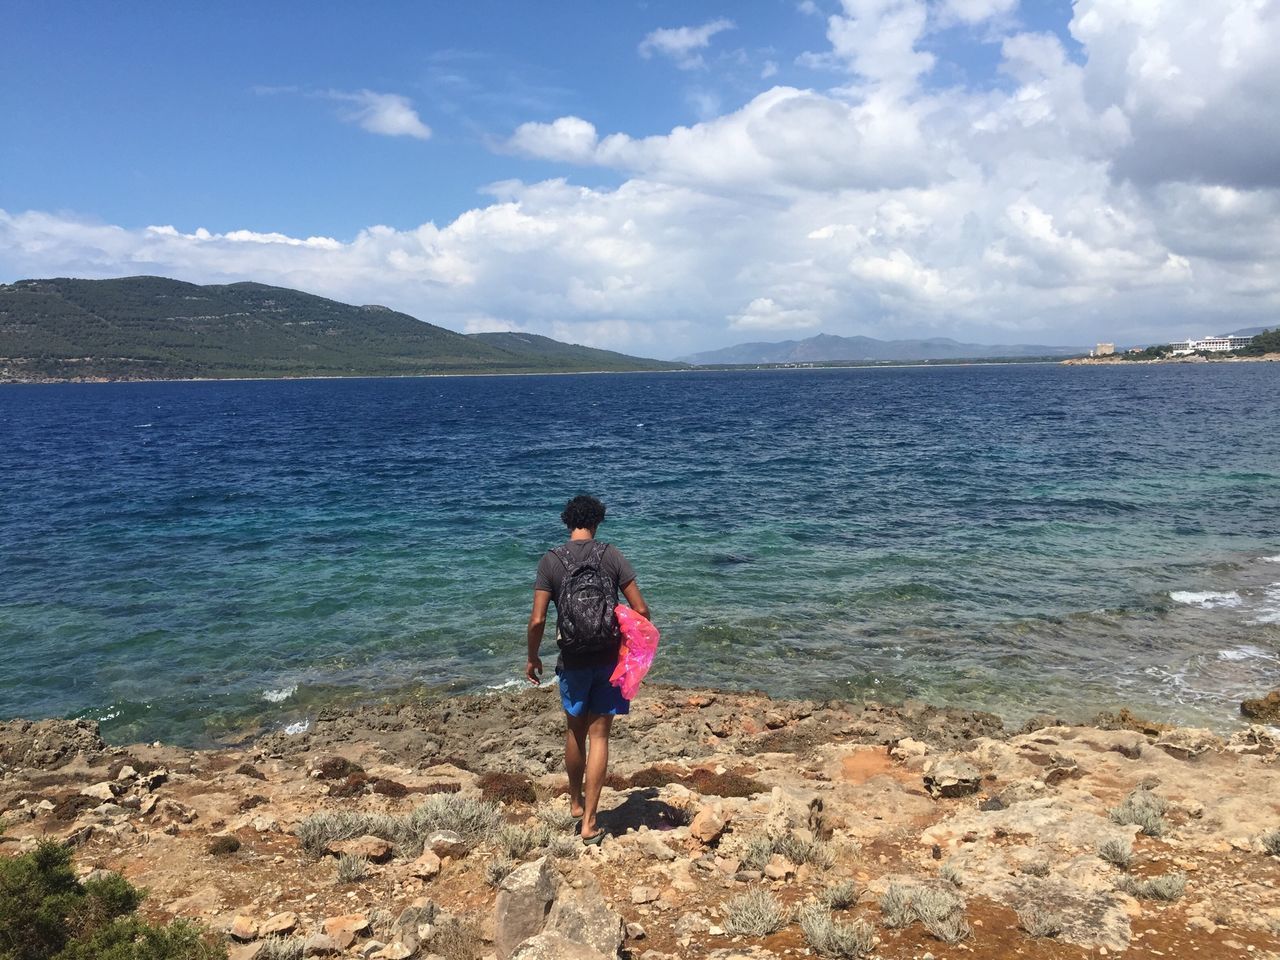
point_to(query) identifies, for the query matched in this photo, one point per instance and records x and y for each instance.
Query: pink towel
(639, 644)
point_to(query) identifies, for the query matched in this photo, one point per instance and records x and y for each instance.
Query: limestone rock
(345, 928)
(644, 894)
(280, 924)
(319, 945)
(708, 824)
(1187, 743)
(446, 843)
(243, 928)
(1263, 709)
(426, 866)
(524, 899)
(949, 777)
(375, 849)
(908, 747)
(582, 916)
(104, 791)
(395, 951)
(779, 868)
(552, 946)
(651, 845)
(1256, 740)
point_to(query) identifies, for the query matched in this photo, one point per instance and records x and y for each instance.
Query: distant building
(1210, 344)
(1103, 350)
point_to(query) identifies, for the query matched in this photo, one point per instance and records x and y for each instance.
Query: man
(583, 577)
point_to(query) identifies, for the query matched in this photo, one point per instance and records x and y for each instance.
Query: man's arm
(635, 599)
(537, 624)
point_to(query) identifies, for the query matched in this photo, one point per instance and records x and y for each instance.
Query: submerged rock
(1265, 709)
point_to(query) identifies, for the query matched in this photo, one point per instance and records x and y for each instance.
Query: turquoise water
(197, 561)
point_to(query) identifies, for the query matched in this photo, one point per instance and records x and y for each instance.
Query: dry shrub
(1271, 843)
(1039, 922)
(220, 846)
(497, 870)
(352, 868)
(1144, 809)
(728, 784)
(756, 913)
(389, 788)
(455, 940)
(337, 768)
(248, 803)
(839, 895)
(1168, 886)
(507, 788)
(842, 941)
(1116, 852)
(248, 770)
(353, 786)
(449, 786)
(895, 906)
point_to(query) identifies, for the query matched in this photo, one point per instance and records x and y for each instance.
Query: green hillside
(138, 328)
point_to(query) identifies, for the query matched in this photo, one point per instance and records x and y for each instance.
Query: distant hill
(1250, 331)
(140, 328)
(827, 348)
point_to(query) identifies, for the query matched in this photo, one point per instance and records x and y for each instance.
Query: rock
(1201, 924)
(126, 774)
(582, 916)
(1264, 709)
(1256, 740)
(426, 866)
(552, 946)
(779, 868)
(244, 951)
(375, 849)
(395, 951)
(689, 924)
(345, 928)
(906, 748)
(104, 791)
(1187, 743)
(708, 824)
(280, 924)
(147, 805)
(644, 894)
(319, 945)
(651, 845)
(175, 811)
(948, 777)
(446, 843)
(635, 931)
(372, 949)
(524, 899)
(243, 928)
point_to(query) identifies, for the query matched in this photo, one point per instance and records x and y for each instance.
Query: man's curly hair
(583, 512)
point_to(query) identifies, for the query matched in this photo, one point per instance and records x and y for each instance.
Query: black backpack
(584, 604)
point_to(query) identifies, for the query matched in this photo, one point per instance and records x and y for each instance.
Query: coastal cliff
(740, 826)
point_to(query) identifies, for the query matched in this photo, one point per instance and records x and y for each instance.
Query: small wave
(293, 729)
(139, 426)
(279, 696)
(1208, 600)
(514, 683)
(1239, 654)
(1269, 611)
(1275, 559)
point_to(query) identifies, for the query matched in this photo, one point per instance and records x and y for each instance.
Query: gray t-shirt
(551, 573)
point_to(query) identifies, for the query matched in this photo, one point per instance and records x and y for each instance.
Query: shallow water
(187, 560)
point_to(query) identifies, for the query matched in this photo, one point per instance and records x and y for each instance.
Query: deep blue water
(192, 560)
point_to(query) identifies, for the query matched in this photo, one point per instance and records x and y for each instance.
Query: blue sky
(989, 169)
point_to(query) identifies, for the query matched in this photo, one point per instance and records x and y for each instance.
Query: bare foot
(576, 809)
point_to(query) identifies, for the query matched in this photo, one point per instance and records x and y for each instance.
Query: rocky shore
(1118, 358)
(739, 826)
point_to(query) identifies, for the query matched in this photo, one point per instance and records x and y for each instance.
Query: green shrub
(46, 914)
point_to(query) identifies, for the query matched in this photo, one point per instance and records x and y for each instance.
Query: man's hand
(533, 670)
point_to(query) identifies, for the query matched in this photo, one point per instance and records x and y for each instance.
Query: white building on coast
(1210, 344)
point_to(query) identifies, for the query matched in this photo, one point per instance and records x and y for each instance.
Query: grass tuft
(1168, 886)
(843, 941)
(220, 846)
(1116, 852)
(896, 906)
(497, 870)
(557, 818)
(1144, 809)
(839, 895)
(756, 913)
(352, 868)
(516, 840)
(814, 852)
(952, 928)
(951, 874)
(1271, 843)
(1039, 922)
(455, 940)
(281, 948)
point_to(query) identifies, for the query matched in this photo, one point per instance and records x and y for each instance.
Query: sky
(665, 177)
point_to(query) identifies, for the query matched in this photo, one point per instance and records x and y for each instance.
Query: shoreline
(876, 796)
(1120, 359)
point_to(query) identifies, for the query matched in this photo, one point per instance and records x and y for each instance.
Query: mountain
(827, 348)
(142, 328)
(1249, 331)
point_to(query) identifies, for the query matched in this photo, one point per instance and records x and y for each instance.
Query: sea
(201, 562)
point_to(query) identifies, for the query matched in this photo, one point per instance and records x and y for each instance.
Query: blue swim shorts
(589, 689)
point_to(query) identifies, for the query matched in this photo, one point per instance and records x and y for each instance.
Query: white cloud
(763, 313)
(682, 44)
(976, 11)
(389, 114)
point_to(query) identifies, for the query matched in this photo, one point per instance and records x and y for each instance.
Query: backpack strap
(562, 553)
(597, 553)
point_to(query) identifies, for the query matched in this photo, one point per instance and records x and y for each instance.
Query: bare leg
(575, 758)
(597, 763)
